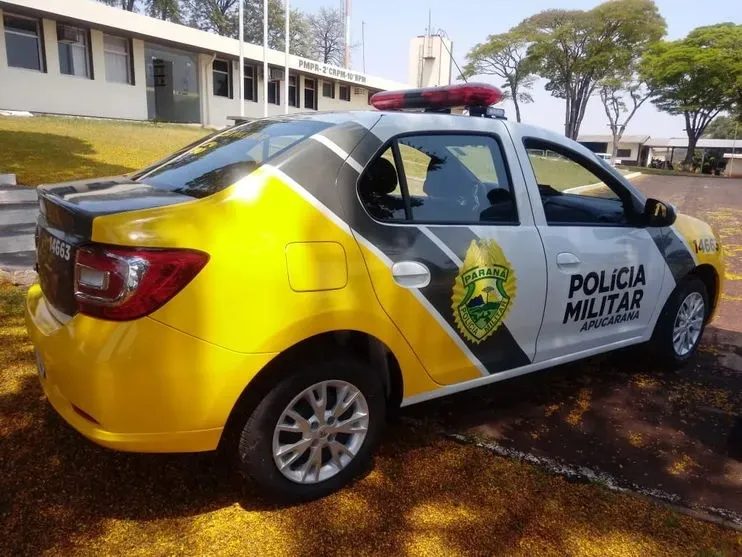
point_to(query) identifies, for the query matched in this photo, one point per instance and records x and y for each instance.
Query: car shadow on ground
(677, 432)
(66, 157)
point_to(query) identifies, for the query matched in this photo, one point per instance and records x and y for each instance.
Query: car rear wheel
(681, 323)
(315, 430)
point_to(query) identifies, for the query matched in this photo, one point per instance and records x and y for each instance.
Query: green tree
(575, 50)
(698, 76)
(299, 37)
(167, 10)
(128, 5)
(724, 127)
(217, 16)
(504, 56)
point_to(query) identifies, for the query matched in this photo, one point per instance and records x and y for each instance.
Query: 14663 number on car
(59, 248)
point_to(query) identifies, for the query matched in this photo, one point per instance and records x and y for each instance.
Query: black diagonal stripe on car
(346, 135)
(316, 177)
(677, 255)
(458, 239)
(366, 148)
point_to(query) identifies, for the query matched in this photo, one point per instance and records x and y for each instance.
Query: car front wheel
(681, 323)
(315, 431)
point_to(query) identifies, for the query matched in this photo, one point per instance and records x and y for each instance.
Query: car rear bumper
(139, 385)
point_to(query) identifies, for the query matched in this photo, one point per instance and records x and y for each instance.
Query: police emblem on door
(483, 292)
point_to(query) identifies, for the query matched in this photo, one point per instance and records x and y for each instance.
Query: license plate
(40, 366)
(56, 247)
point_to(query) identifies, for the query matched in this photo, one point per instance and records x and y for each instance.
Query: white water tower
(430, 61)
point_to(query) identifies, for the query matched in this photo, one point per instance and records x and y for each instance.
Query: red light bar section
(449, 96)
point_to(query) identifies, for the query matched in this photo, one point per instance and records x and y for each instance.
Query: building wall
(51, 91)
(54, 92)
(429, 62)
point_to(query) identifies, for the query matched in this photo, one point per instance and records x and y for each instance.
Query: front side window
(328, 89)
(222, 72)
(118, 59)
(224, 158)
(310, 94)
(572, 191)
(74, 51)
(23, 42)
(447, 178)
(344, 92)
(250, 83)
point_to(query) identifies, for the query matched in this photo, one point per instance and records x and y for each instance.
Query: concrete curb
(722, 517)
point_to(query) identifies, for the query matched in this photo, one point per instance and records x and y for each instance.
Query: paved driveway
(675, 435)
(18, 210)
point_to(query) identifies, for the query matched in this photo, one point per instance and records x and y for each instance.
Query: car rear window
(212, 164)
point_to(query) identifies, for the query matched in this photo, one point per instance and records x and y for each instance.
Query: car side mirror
(658, 213)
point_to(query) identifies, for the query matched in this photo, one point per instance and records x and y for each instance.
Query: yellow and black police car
(280, 286)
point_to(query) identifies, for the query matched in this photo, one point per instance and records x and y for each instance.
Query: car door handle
(568, 260)
(411, 274)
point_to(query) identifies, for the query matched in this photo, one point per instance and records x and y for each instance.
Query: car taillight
(127, 283)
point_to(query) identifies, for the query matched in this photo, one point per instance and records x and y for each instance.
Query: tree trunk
(517, 109)
(614, 150)
(690, 153)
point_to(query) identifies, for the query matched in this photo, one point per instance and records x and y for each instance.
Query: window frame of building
(112, 52)
(227, 72)
(331, 84)
(251, 85)
(39, 37)
(623, 153)
(380, 203)
(342, 87)
(85, 45)
(294, 90)
(311, 103)
(276, 85)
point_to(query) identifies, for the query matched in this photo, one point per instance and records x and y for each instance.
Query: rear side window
(440, 178)
(224, 158)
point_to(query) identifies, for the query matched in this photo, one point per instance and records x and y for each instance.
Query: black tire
(662, 341)
(255, 447)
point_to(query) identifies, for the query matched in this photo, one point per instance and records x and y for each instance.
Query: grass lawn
(45, 149)
(62, 495)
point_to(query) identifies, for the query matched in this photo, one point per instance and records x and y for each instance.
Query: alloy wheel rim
(688, 323)
(320, 431)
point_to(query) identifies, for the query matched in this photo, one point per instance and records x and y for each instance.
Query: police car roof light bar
(465, 94)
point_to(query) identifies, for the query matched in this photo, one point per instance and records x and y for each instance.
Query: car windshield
(214, 163)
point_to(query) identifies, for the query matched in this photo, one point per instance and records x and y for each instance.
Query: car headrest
(438, 180)
(380, 178)
(499, 195)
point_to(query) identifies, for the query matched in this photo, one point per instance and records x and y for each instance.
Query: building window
(623, 153)
(293, 96)
(274, 92)
(370, 94)
(222, 76)
(344, 92)
(23, 42)
(310, 93)
(328, 89)
(250, 84)
(118, 59)
(74, 51)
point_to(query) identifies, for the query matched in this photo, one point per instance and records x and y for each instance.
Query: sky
(390, 24)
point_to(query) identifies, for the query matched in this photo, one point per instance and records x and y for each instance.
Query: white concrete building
(628, 150)
(83, 58)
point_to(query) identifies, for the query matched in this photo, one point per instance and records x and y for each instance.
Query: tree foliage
(504, 56)
(723, 127)
(217, 16)
(697, 77)
(167, 10)
(299, 39)
(574, 50)
(621, 98)
(327, 36)
(128, 5)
